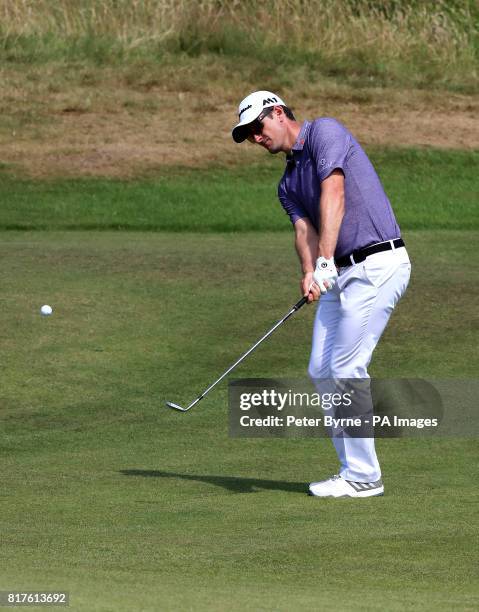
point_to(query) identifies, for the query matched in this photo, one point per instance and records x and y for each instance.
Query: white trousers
(348, 324)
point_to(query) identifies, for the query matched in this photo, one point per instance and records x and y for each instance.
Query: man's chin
(272, 150)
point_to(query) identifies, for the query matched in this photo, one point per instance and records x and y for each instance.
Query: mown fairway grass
(130, 506)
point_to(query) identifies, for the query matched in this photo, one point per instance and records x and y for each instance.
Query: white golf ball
(46, 310)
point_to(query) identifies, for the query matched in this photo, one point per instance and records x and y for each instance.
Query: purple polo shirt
(322, 146)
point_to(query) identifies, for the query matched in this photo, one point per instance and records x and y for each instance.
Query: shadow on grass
(230, 483)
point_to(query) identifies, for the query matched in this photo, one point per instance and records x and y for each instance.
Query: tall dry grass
(394, 38)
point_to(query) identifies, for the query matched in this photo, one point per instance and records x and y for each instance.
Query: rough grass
(123, 89)
(415, 43)
(130, 506)
(429, 189)
(56, 121)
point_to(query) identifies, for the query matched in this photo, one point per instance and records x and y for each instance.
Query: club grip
(301, 302)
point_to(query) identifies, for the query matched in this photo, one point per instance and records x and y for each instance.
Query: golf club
(296, 307)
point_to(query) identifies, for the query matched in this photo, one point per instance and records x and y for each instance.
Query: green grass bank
(429, 189)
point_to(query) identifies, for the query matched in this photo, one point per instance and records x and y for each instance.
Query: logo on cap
(244, 109)
(269, 101)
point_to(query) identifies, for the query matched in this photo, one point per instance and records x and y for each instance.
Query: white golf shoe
(339, 487)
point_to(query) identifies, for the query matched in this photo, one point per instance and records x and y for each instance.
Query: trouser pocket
(378, 270)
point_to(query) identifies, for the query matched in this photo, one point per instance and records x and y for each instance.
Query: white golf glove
(325, 271)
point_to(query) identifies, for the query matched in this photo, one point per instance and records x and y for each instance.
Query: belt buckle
(351, 258)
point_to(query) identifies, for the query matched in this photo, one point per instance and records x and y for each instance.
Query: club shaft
(296, 307)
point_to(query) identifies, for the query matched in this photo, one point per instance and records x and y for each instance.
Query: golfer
(351, 253)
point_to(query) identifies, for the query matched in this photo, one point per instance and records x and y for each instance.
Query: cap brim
(240, 132)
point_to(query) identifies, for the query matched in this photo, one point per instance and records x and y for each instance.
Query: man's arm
(309, 245)
(331, 213)
(306, 243)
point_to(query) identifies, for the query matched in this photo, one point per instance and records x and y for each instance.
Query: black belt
(361, 254)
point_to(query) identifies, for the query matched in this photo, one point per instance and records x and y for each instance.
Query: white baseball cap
(250, 109)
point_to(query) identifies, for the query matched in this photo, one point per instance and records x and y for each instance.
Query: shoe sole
(359, 494)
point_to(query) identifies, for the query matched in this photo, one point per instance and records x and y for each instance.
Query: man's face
(269, 132)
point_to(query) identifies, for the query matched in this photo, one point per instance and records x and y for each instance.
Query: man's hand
(325, 274)
(309, 288)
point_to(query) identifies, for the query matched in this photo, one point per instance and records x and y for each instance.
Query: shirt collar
(303, 133)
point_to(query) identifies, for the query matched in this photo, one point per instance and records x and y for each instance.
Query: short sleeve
(329, 143)
(292, 208)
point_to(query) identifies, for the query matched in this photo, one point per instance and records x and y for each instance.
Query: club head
(176, 407)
